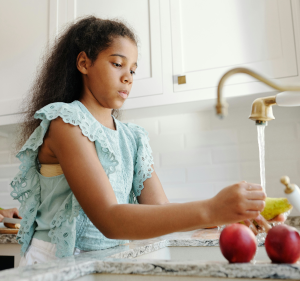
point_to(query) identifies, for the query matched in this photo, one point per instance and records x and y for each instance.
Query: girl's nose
(127, 78)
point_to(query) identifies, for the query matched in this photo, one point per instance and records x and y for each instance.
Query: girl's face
(111, 73)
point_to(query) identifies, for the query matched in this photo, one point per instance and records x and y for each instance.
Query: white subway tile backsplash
(7, 202)
(4, 186)
(298, 131)
(4, 143)
(210, 138)
(166, 143)
(248, 135)
(250, 170)
(273, 169)
(14, 159)
(171, 175)
(213, 173)
(275, 133)
(284, 115)
(237, 153)
(218, 186)
(156, 159)
(4, 157)
(288, 150)
(282, 168)
(236, 118)
(149, 124)
(186, 158)
(184, 123)
(197, 191)
(8, 170)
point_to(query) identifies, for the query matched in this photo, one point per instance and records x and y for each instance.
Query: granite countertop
(118, 260)
(7, 238)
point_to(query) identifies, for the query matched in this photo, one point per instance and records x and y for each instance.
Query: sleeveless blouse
(49, 209)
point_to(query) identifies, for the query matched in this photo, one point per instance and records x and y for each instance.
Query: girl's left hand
(9, 213)
(263, 223)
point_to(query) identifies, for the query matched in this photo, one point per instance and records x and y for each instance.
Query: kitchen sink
(192, 253)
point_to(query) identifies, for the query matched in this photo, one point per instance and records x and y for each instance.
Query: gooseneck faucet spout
(262, 107)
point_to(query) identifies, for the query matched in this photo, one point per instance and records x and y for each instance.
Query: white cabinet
(212, 37)
(204, 39)
(24, 29)
(142, 16)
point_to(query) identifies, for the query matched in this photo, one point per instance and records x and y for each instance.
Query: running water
(261, 146)
(261, 236)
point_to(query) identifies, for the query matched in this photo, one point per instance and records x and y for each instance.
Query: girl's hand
(9, 213)
(263, 223)
(238, 202)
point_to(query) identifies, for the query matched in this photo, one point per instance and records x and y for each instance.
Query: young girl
(87, 181)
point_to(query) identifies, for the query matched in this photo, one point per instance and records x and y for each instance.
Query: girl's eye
(118, 65)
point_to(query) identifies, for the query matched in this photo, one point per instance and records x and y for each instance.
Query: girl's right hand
(238, 202)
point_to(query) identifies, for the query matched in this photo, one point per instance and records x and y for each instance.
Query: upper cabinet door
(23, 39)
(141, 15)
(211, 37)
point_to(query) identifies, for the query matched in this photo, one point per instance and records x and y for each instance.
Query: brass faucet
(261, 107)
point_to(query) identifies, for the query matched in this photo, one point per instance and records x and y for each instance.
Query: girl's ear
(83, 62)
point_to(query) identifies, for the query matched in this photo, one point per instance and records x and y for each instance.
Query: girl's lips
(123, 95)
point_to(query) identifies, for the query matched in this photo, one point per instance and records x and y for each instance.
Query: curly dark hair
(58, 79)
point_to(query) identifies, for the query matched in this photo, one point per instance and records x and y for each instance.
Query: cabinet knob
(181, 80)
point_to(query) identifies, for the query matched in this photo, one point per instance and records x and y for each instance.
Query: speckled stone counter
(120, 260)
(8, 239)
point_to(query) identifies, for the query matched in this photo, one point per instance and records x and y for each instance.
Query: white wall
(196, 154)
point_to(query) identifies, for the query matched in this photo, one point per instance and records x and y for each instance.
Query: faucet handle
(285, 180)
(289, 187)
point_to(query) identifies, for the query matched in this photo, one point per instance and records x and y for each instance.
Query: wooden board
(5, 230)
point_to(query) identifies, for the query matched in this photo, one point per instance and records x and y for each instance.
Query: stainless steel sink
(208, 254)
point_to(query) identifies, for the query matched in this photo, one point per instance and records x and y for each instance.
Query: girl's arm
(91, 186)
(153, 194)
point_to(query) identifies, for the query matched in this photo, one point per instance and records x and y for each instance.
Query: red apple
(237, 243)
(283, 244)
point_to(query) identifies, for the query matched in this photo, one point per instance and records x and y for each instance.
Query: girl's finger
(255, 205)
(251, 225)
(16, 215)
(256, 195)
(262, 222)
(253, 186)
(252, 214)
(279, 218)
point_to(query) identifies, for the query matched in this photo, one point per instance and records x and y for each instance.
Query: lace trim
(63, 227)
(27, 194)
(144, 160)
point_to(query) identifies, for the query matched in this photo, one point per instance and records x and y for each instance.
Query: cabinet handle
(181, 80)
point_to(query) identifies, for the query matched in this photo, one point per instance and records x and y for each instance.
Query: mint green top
(49, 209)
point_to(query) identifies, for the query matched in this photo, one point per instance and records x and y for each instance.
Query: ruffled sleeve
(144, 159)
(26, 186)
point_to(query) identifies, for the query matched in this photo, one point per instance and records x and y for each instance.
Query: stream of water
(261, 146)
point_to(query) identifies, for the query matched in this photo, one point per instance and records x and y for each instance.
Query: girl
(81, 167)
